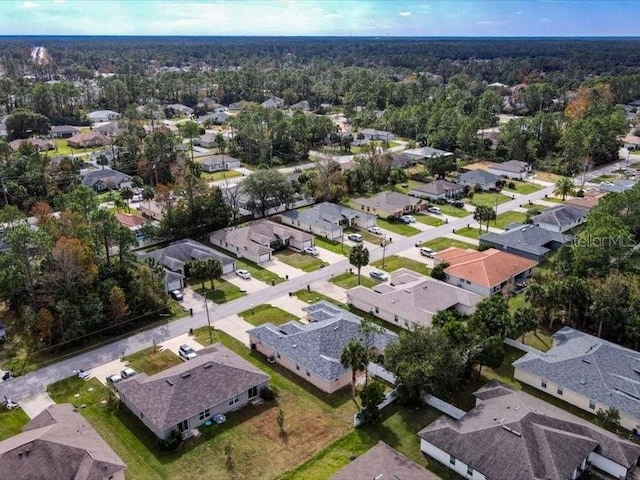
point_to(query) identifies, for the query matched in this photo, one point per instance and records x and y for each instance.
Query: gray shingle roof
(273, 102)
(383, 463)
(527, 238)
(437, 187)
(326, 215)
(389, 201)
(427, 152)
(257, 236)
(64, 129)
(511, 435)
(597, 369)
(106, 175)
(58, 444)
(479, 176)
(173, 395)
(177, 254)
(218, 160)
(511, 166)
(561, 216)
(318, 345)
(617, 186)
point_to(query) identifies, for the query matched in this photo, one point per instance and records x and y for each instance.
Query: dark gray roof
(217, 160)
(58, 444)
(597, 369)
(94, 176)
(527, 238)
(303, 105)
(511, 435)
(64, 129)
(110, 129)
(400, 160)
(512, 166)
(326, 215)
(437, 187)
(317, 346)
(479, 176)
(427, 152)
(383, 463)
(273, 102)
(177, 254)
(617, 186)
(216, 117)
(214, 376)
(561, 216)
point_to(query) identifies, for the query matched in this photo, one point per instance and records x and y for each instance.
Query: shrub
(580, 193)
(173, 441)
(438, 271)
(268, 394)
(511, 185)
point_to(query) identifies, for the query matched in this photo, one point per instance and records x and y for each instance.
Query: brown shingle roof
(590, 199)
(488, 268)
(129, 220)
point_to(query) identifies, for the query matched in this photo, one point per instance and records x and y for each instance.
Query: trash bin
(308, 288)
(191, 312)
(286, 277)
(291, 294)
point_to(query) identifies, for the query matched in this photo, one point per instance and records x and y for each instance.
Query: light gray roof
(64, 129)
(98, 115)
(257, 236)
(561, 216)
(479, 176)
(94, 176)
(58, 444)
(374, 132)
(427, 152)
(389, 201)
(383, 463)
(437, 187)
(214, 376)
(592, 367)
(175, 255)
(317, 346)
(511, 435)
(179, 107)
(218, 160)
(527, 238)
(327, 215)
(511, 166)
(216, 117)
(303, 105)
(273, 102)
(414, 297)
(110, 129)
(617, 186)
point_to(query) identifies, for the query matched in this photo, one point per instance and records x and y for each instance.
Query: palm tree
(208, 269)
(564, 187)
(127, 194)
(359, 257)
(148, 194)
(119, 203)
(484, 213)
(354, 356)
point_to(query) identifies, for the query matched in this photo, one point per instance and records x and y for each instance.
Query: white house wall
(606, 465)
(443, 457)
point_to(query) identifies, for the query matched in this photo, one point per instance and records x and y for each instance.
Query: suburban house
(189, 395)
(87, 139)
(426, 153)
(257, 240)
(529, 241)
(63, 131)
(383, 463)
(238, 105)
(587, 372)
(561, 218)
(208, 140)
(151, 209)
(492, 134)
(312, 351)
(514, 169)
(135, 223)
(302, 106)
(370, 134)
(39, 144)
(411, 300)
(180, 108)
(389, 204)
(217, 118)
(103, 116)
(486, 272)
(176, 255)
(400, 160)
(106, 179)
(619, 185)
(273, 102)
(486, 180)
(436, 190)
(512, 435)
(327, 219)
(590, 199)
(218, 163)
(59, 444)
(110, 129)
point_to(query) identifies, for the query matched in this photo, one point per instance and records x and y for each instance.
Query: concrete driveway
(101, 372)
(292, 305)
(174, 343)
(329, 256)
(234, 326)
(36, 404)
(282, 269)
(250, 286)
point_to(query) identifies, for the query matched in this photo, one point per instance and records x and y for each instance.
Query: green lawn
(217, 176)
(453, 211)
(442, 243)
(523, 188)
(266, 313)
(257, 272)
(470, 232)
(11, 422)
(506, 218)
(516, 302)
(553, 199)
(130, 211)
(62, 149)
(397, 227)
(603, 178)
(222, 292)
(394, 262)
(488, 198)
(366, 236)
(306, 263)
(150, 362)
(531, 206)
(311, 296)
(349, 280)
(400, 188)
(539, 339)
(429, 219)
(333, 246)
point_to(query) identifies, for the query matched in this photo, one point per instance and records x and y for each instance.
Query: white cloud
(28, 4)
(404, 14)
(492, 22)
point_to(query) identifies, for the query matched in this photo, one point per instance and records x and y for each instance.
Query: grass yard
(306, 263)
(311, 296)
(429, 219)
(398, 187)
(257, 272)
(62, 149)
(217, 176)
(531, 206)
(332, 246)
(398, 429)
(151, 362)
(366, 236)
(349, 280)
(539, 339)
(546, 176)
(130, 211)
(523, 188)
(222, 292)
(553, 199)
(453, 211)
(397, 227)
(488, 198)
(506, 218)
(516, 302)
(604, 178)
(469, 232)
(313, 419)
(394, 262)
(11, 422)
(266, 313)
(442, 243)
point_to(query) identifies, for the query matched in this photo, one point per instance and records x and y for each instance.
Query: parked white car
(355, 237)
(244, 274)
(379, 275)
(311, 251)
(435, 210)
(128, 373)
(426, 252)
(407, 219)
(186, 352)
(375, 230)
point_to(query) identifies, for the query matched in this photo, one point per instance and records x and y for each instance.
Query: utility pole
(206, 307)
(384, 249)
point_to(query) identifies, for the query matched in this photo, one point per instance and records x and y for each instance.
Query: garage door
(265, 257)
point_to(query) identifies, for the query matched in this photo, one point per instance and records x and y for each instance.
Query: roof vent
(170, 382)
(335, 329)
(511, 430)
(208, 365)
(588, 362)
(637, 371)
(295, 345)
(583, 382)
(186, 375)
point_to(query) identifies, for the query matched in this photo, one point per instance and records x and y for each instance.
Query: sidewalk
(234, 326)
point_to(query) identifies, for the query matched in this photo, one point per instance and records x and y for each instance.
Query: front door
(183, 426)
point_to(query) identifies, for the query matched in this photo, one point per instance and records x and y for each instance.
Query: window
(297, 367)
(278, 355)
(452, 460)
(592, 405)
(559, 391)
(234, 400)
(203, 415)
(253, 392)
(308, 374)
(395, 318)
(543, 383)
(377, 311)
(469, 471)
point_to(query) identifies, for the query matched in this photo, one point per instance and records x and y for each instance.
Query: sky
(502, 18)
